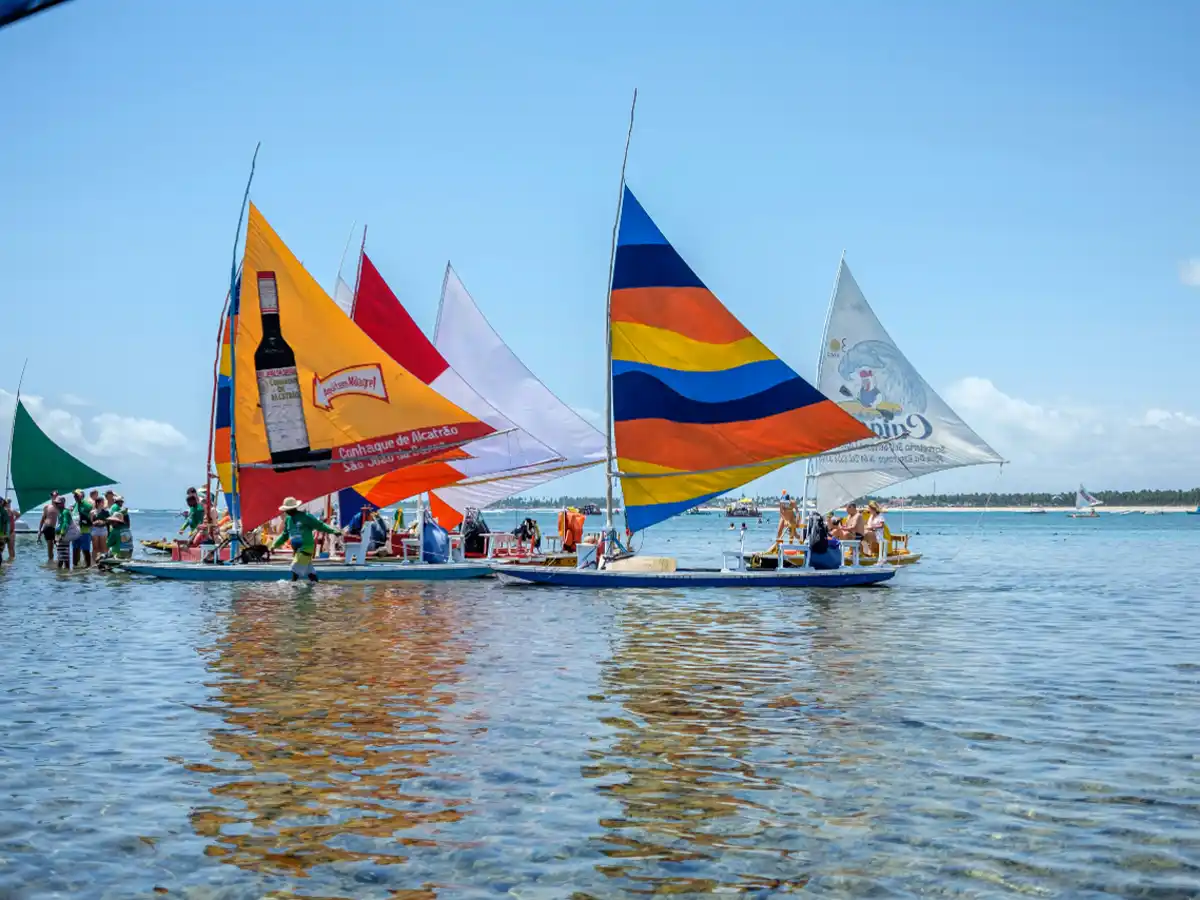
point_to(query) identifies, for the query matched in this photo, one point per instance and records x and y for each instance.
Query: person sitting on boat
(787, 517)
(528, 531)
(299, 527)
(367, 526)
(193, 518)
(82, 545)
(873, 529)
(853, 526)
(48, 526)
(825, 549)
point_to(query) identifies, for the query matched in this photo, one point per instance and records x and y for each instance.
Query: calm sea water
(1018, 714)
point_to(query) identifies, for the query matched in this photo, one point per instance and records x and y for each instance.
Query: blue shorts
(83, 543)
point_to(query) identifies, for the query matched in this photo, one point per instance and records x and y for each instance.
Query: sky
(1015, 186)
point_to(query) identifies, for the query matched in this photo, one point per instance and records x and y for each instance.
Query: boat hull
(610, 578)
(333, 573)
(795, 559)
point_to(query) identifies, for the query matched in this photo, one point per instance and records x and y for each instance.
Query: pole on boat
(810, 472)
(12, 433)
(362, 249)
(609, 473)
(235, 514)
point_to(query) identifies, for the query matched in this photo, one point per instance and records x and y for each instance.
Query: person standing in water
(81, 547)
(48, 526)
(65, 533)
(99, 526)
(6, 528)
(298, 528)
(120, 534)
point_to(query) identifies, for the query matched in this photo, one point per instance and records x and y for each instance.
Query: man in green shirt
(65, 532)
(82, 545)
(298, 528)
(120, 536)
(193, 517)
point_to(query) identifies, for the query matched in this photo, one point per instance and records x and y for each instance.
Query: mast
(342, 261)
(809, 474)
(235, 514)
(13, 431)
(610, 455)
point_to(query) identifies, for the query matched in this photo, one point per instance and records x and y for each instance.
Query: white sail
(343, 295)
(1084, 500)
(863, 370)
(481, 358)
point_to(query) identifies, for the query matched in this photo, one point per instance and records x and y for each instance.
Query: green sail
(40, 466)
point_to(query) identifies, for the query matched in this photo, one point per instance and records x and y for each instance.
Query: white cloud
(1189, 271)
(146, 456)
(73, 400)
(1052, 444)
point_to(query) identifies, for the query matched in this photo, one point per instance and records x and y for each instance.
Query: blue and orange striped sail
(700, 405)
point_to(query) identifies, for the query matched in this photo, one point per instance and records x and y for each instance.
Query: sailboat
(515, 458)
(326, 408)
(914, 432)
(698, 407)
(38, 465)
(1085, 505)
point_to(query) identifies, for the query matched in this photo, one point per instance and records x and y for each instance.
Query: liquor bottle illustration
(279, 392)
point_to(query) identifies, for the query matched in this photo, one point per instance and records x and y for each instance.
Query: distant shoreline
(1050, 510)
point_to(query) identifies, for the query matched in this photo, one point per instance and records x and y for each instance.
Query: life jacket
(570, 527)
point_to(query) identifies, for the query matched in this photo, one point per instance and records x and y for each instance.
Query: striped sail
(222, 440)
(700, 405)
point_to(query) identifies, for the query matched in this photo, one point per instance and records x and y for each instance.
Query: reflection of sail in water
(696, 753)
(330, 712)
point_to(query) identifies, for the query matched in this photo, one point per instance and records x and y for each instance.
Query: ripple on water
(975, 730)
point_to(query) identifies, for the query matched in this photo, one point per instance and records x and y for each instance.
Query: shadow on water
(331, 714)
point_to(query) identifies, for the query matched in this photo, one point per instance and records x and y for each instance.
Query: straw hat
(289, 504)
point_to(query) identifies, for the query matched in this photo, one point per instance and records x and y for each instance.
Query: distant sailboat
(1085, 505)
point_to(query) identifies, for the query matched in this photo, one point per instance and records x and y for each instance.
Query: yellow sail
(318, 406)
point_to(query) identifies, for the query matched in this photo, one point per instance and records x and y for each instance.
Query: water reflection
(332, 707)
(696, 760)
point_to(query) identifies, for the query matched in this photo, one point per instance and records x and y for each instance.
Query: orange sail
(318, 406)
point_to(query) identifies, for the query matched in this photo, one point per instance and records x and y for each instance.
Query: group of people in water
(94, 526)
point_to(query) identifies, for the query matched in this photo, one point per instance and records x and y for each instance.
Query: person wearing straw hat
(298, 528)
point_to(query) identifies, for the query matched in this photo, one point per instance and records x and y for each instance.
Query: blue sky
(1015, 185)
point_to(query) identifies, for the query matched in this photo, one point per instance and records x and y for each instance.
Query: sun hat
(289, 503)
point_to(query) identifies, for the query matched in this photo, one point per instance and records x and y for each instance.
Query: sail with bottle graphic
(1084, 500)
(700, 405)
(39, 465)
(501, 465)
(915, 431)
(317, 405)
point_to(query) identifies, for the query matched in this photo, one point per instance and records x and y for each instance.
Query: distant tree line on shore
(1043, 498)
(1062, 498)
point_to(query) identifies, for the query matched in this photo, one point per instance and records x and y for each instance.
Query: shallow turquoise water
(1018, 714)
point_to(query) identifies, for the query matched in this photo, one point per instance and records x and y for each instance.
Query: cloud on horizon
(1051, 445)
(1189, 271)
(156, 454)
